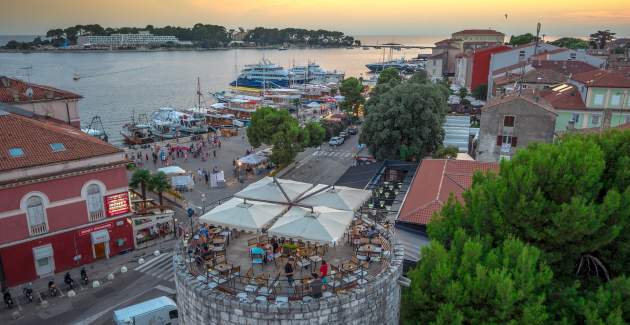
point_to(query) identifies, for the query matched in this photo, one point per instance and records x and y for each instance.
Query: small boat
(137, 132)
(350, 48)
(366, 48)
(76, 77)
(282, 48)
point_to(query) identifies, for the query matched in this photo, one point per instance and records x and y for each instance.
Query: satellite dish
(29, 92)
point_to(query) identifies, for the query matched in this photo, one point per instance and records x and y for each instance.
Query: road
(155, 277)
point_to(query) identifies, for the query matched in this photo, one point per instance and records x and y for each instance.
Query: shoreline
(163, 49)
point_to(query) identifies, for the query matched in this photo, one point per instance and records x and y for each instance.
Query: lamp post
(203, 203)
(238, 171)
(191, 212)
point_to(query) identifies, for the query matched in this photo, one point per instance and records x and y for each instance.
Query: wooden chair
(220, 259)
(262, 280)
(252, 242)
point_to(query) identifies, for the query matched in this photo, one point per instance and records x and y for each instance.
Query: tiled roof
(564, 96)
(434, 182)
(604, 78)
(566, 67)
(510, 68)
(35, 138)
(13, 91)
(526, 95)
(478, 32)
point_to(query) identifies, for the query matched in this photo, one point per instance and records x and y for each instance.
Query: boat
(400, 65)
(137, 132)
(76, 77)
(366, 48)
(282, 48)
(96, 129)
(313, 72)
(262, 75)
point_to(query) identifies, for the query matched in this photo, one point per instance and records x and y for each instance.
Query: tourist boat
(135, 133)
(313, 73)
(262, 75)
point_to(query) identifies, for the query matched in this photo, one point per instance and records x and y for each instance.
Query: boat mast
(198, 93)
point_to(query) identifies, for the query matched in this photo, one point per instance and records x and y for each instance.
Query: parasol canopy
(336, 197)
(243, 215)
(270, 189)
(321, 224)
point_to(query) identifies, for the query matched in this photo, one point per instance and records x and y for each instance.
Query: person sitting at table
(373, 232)
(269, 253)
(323, 272)
(316, 286)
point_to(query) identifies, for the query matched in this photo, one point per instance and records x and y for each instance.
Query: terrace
(243, 245)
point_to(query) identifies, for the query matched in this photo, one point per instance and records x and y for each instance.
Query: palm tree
(141, 178)
(159, 184)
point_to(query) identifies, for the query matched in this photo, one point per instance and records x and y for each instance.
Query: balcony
(38, 229)
(96, 216)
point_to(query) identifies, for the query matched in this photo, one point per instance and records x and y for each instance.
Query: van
(158, 311)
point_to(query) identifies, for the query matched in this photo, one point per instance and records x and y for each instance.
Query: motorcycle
(52, 289)
(28, 293)
(84, 276)
(8, 299)
(69, 281)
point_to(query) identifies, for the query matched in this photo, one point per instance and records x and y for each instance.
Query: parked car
(343, 134)
(336, 141)
(353, 130)
(158, 311)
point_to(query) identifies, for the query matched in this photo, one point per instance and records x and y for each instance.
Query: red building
(64, 199)
(481, 65)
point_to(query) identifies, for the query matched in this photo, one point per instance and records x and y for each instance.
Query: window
(521, 55)
(575, 117)
(36, 214)
(95, 203)
(627, 118)
(56, 147)
(598, 100)
(572, 56)
(595, 119)
(172, 314)
(615, 100)
(16, 152)
(508, 121)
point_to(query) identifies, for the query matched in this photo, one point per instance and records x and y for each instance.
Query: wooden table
(215, 230)
(223, 268)
(348, 267)
(218, 241)
(370, 248)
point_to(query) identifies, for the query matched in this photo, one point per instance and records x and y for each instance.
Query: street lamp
(238, 171)
(203, 203)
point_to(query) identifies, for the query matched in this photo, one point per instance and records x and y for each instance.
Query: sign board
(87, 231)
(117, 204)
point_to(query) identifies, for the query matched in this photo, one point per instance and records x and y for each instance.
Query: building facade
(513, 122)
(64, 199)
(139, 39)
(43, 101)
(478, 38)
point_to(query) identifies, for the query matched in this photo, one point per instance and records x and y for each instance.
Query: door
(99, 251)
(44, 266)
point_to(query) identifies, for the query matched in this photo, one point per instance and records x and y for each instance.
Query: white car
(335, 141)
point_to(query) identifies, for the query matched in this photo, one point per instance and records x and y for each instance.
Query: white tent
(243, 215)
(323, 225)
(267, 189)
(172, 170)
(313, 105)
(253, 159)
(336, 197)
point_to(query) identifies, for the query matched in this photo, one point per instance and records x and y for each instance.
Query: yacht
(400, 65)
(313, 72)
(262, 75)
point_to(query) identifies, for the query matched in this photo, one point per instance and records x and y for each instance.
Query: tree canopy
(516, 40)
(351, 89)
(571, 43)
(600, 38)
(405, 120)
(387, 75)
(571, 201)
(280, 129)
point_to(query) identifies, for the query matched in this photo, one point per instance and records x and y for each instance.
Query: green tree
(406, 121)
(387, 75)
(480, 92)
(159, 184)
(599, 39)
(472, 283)
(352, 91)
(570, 43)
(449, 152)
(522, 39)
(141, 178)
(316, 133)
(463, 92)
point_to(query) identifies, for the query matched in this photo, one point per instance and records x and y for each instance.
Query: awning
(100, 236)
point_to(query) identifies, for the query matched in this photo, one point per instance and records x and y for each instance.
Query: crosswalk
(160, 267)
(333, 153)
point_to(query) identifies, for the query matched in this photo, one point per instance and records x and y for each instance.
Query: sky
(354, 17)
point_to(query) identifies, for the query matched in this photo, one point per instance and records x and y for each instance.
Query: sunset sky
(356, 17)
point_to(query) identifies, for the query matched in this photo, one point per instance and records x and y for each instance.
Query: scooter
(52, 289)
(84, 277)
(69, 281)
(28, 293)
(8, 299)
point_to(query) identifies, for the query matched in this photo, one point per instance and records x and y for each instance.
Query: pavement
(155, 277)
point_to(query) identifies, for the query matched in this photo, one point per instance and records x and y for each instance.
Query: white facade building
(142, 38)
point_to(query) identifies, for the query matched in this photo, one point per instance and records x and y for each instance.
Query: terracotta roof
(433, 183)
(604, 78)
(564, 96)
(35, 137)
(510, 67)
(13, 91)
(529, 95)
(566, 67)
(478, 32)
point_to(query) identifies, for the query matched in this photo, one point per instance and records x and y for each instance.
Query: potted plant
(289, 248)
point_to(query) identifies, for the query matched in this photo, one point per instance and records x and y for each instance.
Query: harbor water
(116, 84)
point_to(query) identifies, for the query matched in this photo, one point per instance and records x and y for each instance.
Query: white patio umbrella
(336, 197)
(172, 170)
(268, 190)
(322, 224)
(243, 215)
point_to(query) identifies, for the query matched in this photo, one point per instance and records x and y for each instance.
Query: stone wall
(376, 302)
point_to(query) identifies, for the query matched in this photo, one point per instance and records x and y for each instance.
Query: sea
(115, 85)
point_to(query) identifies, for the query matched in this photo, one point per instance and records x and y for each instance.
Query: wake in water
(78, 76)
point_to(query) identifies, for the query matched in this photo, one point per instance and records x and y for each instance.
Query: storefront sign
(86, 231)
(117, 204)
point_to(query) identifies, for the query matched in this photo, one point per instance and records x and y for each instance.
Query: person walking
(214, 153)
(288, 272)
(323, 272)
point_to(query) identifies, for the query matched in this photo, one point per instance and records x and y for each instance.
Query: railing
(38, 229)
(96, 215)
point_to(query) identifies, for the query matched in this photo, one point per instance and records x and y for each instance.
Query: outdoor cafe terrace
(243, 245)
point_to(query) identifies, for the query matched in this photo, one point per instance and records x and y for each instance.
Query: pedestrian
(316, 286)
(323, 271)
(288, 272)
(214, 153)
(205, 175)
(146, 156)
(219, 144)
